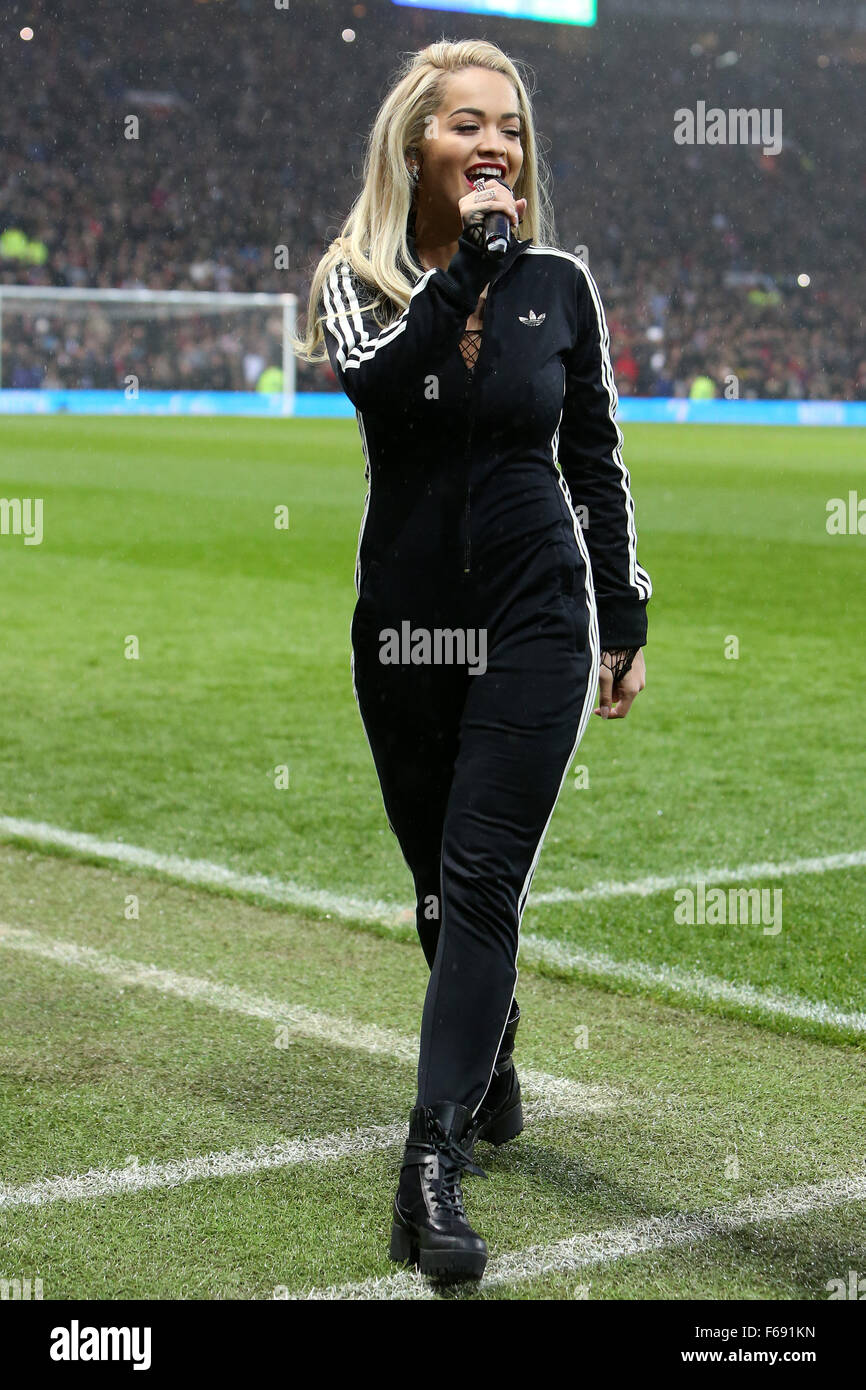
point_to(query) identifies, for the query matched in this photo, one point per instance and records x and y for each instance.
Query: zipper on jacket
(477, 368)
(467, 549)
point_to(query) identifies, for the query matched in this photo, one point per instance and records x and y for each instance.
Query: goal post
(133, 341)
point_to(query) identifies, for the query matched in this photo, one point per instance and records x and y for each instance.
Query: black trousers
(470, 767)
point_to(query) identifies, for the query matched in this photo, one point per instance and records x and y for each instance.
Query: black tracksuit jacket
(438, 439)
(469, 523)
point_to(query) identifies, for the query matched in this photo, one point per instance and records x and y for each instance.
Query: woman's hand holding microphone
(488, 195)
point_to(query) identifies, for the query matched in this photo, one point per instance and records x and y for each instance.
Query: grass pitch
(163, 531)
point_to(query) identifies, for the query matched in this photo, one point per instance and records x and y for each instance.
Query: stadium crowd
(251, 125)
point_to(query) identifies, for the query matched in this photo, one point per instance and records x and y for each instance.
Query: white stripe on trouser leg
(581, 729)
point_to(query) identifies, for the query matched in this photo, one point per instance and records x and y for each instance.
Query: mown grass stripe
(559, 1094)
(604, 1247)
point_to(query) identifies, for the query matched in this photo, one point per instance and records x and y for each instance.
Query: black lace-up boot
(430, 1229)
(500, 1115)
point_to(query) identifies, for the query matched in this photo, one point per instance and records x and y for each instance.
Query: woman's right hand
(496, 196)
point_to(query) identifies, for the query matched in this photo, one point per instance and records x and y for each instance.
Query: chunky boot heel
(429, 1227)
(505, 1125)
(500, 1115)
(402, 1250)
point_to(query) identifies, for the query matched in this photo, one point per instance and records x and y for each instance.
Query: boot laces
(449, 1196)
(456, 1161)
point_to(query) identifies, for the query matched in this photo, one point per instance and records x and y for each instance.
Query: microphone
(497, 229)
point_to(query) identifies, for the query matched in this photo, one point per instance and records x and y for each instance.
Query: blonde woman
(488, 610)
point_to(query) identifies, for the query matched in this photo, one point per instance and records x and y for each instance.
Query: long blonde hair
(373, 236)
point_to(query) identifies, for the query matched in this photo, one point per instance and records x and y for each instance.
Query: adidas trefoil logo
(534, 320)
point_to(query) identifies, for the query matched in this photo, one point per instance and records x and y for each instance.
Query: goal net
(138, 341)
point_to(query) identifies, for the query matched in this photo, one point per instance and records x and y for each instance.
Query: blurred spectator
(703, 388)
(271, 379)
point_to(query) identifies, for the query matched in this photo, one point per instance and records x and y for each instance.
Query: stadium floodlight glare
(139, 340)
(547, 11)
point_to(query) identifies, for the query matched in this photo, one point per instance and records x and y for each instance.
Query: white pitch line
(535, 948)
(620, 1242)
(556, 1095)
(690, 984)
(668, 883)
(120, 1182)
(299, 1021)
(202, 871)
(230, 1163)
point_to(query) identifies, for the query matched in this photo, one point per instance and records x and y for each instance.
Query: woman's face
(488, 132)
